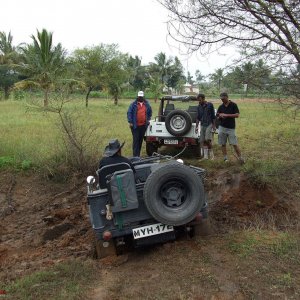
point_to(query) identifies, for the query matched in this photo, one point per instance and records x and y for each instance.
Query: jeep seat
(169, 107)
(108, 170)
(193, 112)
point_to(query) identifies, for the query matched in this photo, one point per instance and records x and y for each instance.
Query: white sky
(137, 26)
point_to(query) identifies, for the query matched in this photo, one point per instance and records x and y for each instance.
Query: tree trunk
(116, 101)
(6, 92)
(46, 102)
(87, 97)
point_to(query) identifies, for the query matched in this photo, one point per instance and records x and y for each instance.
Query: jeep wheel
(174, 194)
(103, 249)
(151, 148)
(178, 122)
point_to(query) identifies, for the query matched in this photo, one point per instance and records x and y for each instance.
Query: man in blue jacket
(138, 115)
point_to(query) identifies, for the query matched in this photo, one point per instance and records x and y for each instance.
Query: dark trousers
(138, 135)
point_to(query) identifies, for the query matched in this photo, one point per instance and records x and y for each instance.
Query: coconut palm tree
(42, 63)
(8, 56)
(162, 66)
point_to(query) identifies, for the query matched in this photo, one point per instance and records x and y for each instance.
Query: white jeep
(175, 125)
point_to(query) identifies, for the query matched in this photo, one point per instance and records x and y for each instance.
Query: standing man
(227, 112)
(138, 115)
(206, 117)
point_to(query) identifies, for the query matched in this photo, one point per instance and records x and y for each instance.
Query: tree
(42, 63)
(217, 77)
(98, 65)
(255, 76)
(189, 78)
(162, 67)
(176, 76)
(199, 77)
(169, 70)
(137, 74)
(156, 87)
(260, 28)
(117, 75)
(8, 57)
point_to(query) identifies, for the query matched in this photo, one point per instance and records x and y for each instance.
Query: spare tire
(178, 122)
(174, 194)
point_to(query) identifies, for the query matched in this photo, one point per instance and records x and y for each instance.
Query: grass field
(268, 136)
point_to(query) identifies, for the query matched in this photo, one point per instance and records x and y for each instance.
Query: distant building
(189, 88)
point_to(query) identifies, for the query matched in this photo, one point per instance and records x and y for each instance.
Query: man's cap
(140, 94)
(113, 147)
(223, 95)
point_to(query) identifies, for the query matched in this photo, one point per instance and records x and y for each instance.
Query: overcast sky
(137, 26)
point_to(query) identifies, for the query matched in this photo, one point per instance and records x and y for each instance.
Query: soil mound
(240, 203)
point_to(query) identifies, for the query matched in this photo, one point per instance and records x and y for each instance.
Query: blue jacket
(206, 113)
(132, 113)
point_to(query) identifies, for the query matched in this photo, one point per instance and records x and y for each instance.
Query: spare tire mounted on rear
(178, 122)
(174, 194)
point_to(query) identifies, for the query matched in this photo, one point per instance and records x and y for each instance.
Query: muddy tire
(174, 194)
(103, 249)
(151, 148)
(178, 122)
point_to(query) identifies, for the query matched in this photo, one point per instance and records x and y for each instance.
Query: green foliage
(169, 70)
(19, 95)
(245, 247)
(12, 162)
(283, 245)
(263, 172)
(68, 280)
(102, 67)
(42, 64)
(137, 74)
(286, 245)
(8, 56)
(6, 161)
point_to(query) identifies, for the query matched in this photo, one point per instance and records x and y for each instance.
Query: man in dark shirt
(206, 117)
(227, 112)
(112, 155)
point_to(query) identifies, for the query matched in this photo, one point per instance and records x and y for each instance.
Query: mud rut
(43, 223)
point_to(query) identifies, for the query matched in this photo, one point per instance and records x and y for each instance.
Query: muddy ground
(44, 223)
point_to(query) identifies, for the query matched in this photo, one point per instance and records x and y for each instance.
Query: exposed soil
(43, 223)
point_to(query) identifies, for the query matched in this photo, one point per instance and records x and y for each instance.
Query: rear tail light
(107, 235)
(199, 217)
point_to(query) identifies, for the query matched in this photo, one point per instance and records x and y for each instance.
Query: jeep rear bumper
(173, 141)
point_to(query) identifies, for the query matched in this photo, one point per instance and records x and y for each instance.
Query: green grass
(11, 162)
(279, 245)
(64, 281)
(269, 138)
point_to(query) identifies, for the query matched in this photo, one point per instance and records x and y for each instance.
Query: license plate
(171, 142)
(149, 230)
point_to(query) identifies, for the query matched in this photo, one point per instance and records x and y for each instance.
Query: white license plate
(149, 230)
(171, 142)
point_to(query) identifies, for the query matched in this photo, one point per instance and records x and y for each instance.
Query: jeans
(138, 135)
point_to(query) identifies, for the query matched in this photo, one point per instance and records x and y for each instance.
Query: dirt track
(43, 223)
